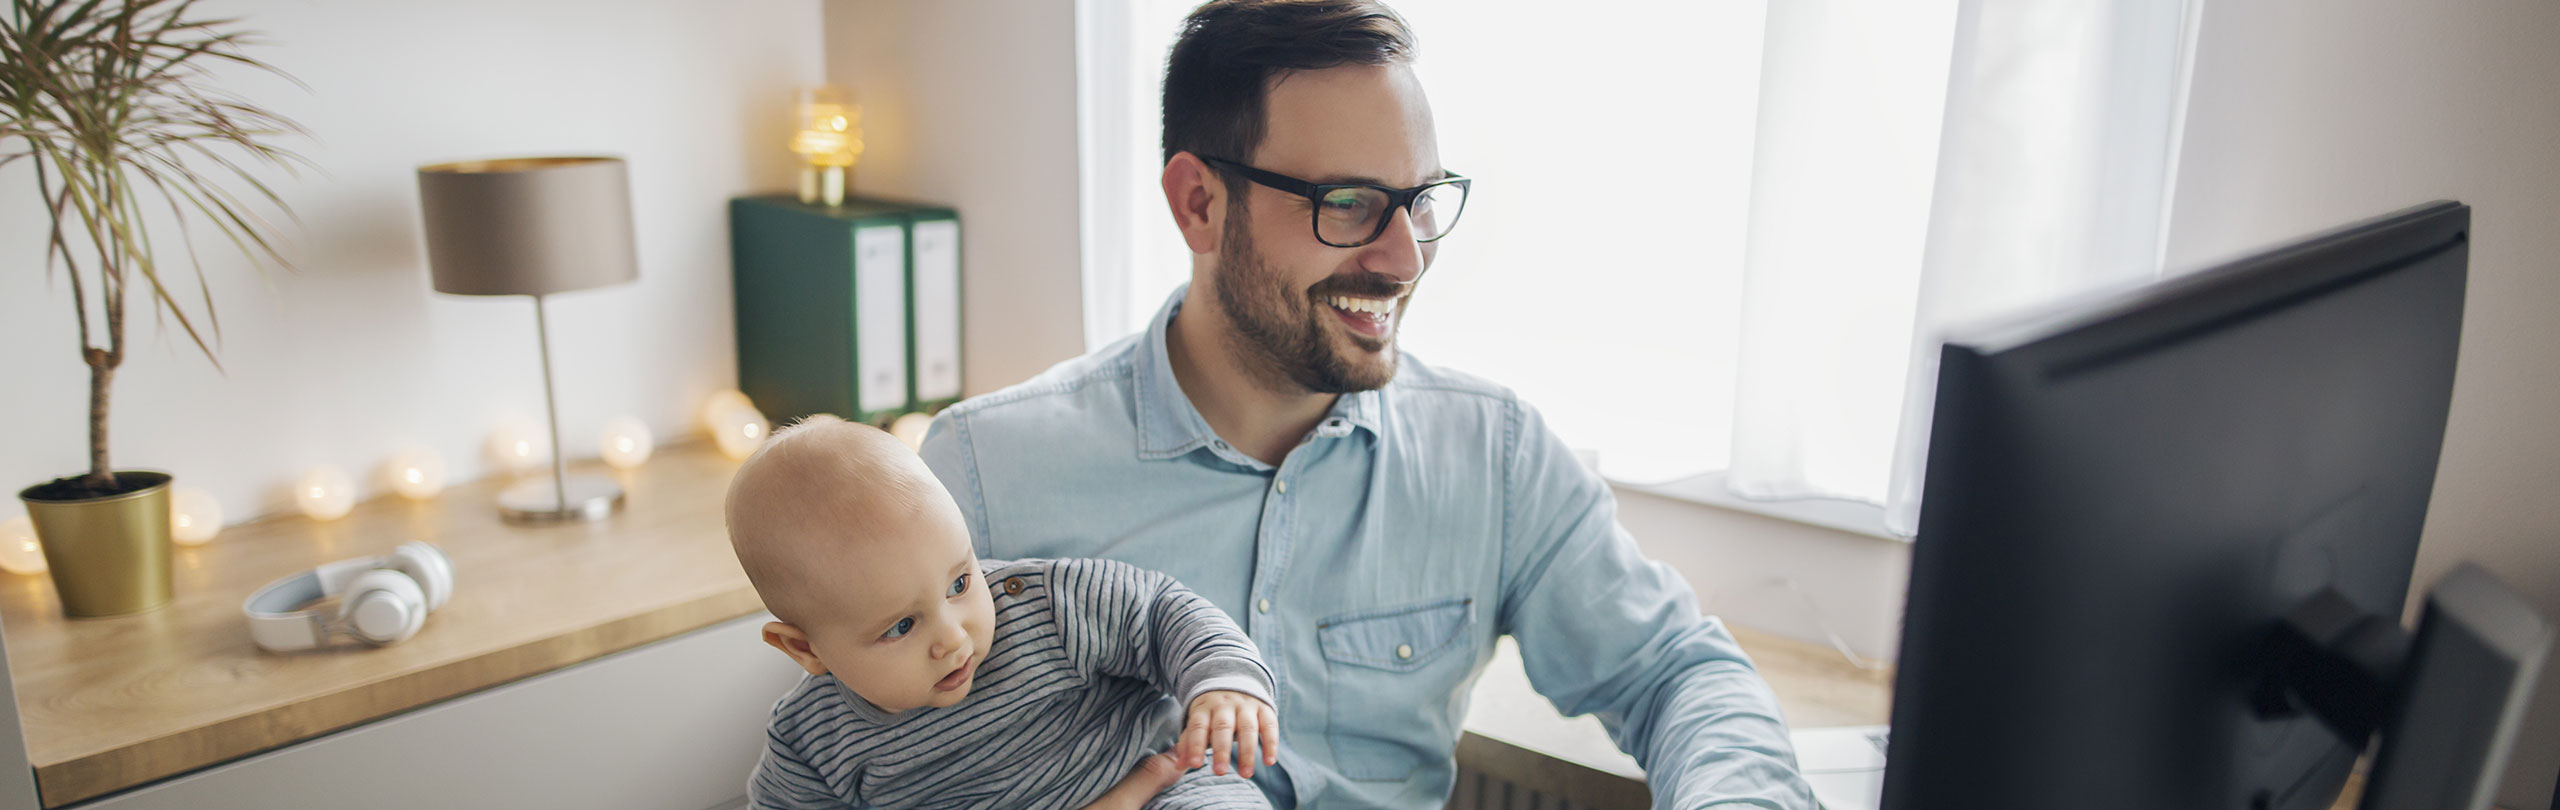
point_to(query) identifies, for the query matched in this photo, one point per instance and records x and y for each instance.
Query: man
(1373, 522)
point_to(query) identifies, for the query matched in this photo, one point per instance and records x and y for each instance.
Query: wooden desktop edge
(195, 652)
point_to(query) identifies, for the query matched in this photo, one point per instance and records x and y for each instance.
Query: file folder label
(880, 313)
(937, 309)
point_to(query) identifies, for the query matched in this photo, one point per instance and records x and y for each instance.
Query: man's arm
(1605, 631)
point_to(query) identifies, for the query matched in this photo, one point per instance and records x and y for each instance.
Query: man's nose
(1394, 253)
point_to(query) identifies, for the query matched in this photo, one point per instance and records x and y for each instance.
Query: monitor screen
(2124, 498)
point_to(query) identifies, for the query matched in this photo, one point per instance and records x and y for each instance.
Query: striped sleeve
(784, 781)
(1122, 620)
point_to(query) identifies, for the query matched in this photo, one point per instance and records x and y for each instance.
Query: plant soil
(75, 487)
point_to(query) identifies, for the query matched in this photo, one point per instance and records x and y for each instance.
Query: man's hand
(1234, 729)
(1151, 777)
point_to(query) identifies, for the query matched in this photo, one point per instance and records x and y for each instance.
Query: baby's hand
(1230, 723)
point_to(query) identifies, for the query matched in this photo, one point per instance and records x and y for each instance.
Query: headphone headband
(276, 618)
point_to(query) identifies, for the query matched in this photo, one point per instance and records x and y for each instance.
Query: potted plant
(108, 102)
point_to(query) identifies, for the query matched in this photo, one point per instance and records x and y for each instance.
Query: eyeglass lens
(1349, 216)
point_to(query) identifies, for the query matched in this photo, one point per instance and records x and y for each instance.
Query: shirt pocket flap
(1396, 639)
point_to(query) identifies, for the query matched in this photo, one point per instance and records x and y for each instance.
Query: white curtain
(1132, 255)
(2051, 172)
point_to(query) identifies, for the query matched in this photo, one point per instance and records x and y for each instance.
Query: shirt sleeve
(784, 781)
(947, 451)
(1133, 623)
(1604, 631)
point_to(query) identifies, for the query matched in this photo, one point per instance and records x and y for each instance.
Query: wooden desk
(108, 704)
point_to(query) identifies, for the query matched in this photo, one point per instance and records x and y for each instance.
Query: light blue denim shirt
(1375, 567)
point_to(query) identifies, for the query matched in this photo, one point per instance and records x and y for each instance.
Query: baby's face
(916, 618)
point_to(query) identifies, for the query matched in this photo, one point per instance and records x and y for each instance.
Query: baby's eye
(959, 586)
(901, 628)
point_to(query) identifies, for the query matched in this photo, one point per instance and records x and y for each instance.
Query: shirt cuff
(1227, 676)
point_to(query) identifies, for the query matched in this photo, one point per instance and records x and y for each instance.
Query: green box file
(826, 307)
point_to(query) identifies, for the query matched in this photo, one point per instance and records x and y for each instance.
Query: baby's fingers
(1270, 736)
(1222, 736)
(1195, 739)
(1248, 742)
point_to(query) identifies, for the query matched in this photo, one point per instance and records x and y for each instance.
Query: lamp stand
(823, 185)
(564, 498)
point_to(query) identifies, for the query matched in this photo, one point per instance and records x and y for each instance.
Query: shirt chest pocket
(1390, 680)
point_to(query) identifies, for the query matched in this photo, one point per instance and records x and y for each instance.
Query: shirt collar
(1168, 424)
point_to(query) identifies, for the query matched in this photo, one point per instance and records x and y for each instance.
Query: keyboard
(1845, 765)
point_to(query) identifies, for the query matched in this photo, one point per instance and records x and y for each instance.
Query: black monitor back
(2123, 498)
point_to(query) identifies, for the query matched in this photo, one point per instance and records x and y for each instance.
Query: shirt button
(1264, 606)
(1013, 586)
(1283, 487)
(1404, 651)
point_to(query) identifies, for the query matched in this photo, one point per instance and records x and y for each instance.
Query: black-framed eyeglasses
(1354, 214)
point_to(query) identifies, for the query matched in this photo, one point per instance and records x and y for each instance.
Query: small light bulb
(518, 448)
(738, 431)
(417, 473)
(19, 553)
(721, 402)
(911, 428)
(627, 442)
(194, 516)
(324, 493)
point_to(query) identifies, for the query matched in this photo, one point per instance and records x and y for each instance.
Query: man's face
(915, 617)
(1325, 317)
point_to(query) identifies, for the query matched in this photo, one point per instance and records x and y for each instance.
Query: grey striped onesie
(1073, 693)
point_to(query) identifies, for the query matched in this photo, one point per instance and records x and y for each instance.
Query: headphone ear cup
(383, 606)
(428, 566)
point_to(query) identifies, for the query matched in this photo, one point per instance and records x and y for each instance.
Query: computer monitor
(2165, 538)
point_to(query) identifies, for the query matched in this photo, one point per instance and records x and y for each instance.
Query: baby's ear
(788, 638)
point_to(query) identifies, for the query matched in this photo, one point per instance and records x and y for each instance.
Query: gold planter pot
(109, 556)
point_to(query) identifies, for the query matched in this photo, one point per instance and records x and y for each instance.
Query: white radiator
(1496, 775)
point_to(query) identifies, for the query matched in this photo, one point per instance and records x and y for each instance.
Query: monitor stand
(2448, 702)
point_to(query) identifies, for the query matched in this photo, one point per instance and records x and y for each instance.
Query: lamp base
(590, 498)
(823, 185)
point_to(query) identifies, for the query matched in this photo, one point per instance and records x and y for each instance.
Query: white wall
(353, 357)
(2311, 113)
(972, 103)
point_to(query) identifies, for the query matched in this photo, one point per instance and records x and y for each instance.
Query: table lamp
(830, 141)
(534, 226)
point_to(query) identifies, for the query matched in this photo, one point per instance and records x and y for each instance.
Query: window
(1694, 222)
(1599, 268)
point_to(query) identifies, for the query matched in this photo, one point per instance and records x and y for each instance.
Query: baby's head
(864, 561)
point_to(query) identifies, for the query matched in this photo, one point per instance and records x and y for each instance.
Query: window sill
(1708, 489)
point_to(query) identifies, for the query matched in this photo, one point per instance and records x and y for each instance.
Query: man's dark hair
(1218, 77)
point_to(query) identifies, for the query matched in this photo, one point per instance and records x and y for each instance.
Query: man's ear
(788, 638)
(1198, 199)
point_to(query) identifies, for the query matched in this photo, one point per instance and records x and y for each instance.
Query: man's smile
(1368, 317)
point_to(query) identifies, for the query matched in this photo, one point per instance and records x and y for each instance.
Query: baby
(937, 680)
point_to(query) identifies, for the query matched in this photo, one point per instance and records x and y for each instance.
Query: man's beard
(1280, 332)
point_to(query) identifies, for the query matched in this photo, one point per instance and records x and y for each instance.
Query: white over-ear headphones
(381, 599)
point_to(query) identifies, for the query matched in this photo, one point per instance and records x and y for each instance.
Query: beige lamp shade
(528, 226)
